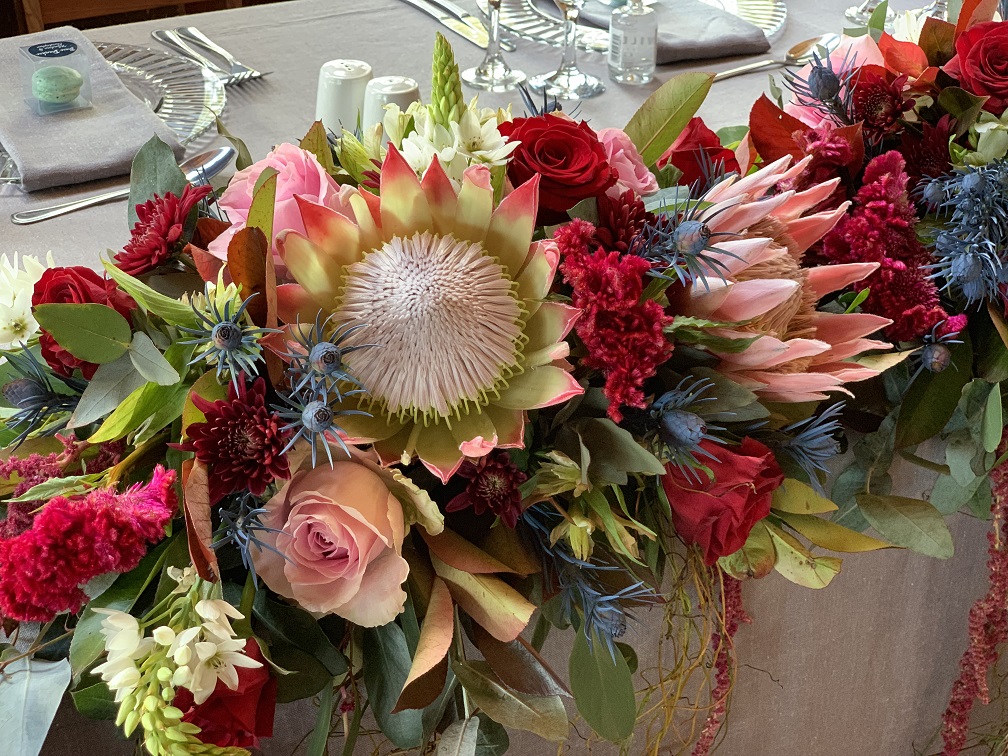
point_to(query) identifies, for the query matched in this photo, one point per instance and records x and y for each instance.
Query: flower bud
(823, 84)
(131, 722)
(164, 635)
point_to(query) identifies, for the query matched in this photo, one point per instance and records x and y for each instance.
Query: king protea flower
(799, 355)
(452, 291)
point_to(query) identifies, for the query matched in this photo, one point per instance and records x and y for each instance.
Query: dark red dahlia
(157, 234)
(879, 104)
(928, 153)
(621, 218)
(493, 487)
(242, 441)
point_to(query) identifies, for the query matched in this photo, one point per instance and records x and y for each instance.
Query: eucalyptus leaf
(90, 332)
(603, 687)
(614, 452)
(948, 496)
(911, 523)
(149, 361)
(244, 159)
(993, 420)
(30, 694)
(111, 384)
(388, 666)
(663, 116)
(154, 171)
(492, 738)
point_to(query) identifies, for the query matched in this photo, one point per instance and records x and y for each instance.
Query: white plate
(186, 96)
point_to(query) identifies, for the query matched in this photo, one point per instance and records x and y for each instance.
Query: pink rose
(338, 549)
(855, 52)
(623, 156)
(298, 173)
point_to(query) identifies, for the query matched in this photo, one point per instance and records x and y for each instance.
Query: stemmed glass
(860, 14)
(493, 74)
(935, 9)
(568, 82)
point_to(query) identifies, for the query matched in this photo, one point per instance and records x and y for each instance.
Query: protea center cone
(451, 290)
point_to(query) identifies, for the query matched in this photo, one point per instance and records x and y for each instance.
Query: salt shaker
(341, 87)
(384, 90)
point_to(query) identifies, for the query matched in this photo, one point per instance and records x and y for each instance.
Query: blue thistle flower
(318, 365)
(813, 442)
(314, 416)
(934, 354)
(241, 526)
(679, 428)
(532, 108)
(35, 397)
(827, 91)
(224, 339)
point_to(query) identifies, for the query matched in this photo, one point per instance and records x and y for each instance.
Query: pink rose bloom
(629, 165)
(338, 549)
(298, 173)
(852, 52)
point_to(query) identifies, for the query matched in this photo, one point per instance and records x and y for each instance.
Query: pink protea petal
(808, 230)
(474, 434)
(404, 208)
(742, 254)
(826, 279)
(836, 328)
(475, 205)
(438, 450)
(795, 387)
(510, 425)
(295, 304)
(390, 450)
(539, 387)
(749, 299)
(367, 213)
(441, 197)
(546, 330)
(330, 231)
(366, 429)
(512, 225)
(847, 372)
(853, 348)
(536, 278)
(804, 201)
(745, 214)
(768, 351)
(755, 184)
(319, 274)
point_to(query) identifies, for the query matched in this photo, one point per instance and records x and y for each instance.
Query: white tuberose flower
(217, 659)
(17, 324)
(908, 25)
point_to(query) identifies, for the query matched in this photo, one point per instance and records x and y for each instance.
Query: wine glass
(493, 74)
(861, 14)
(568, 82)
(935, 9)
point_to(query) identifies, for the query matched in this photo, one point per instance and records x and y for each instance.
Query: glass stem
(569, 61)
(493, 44)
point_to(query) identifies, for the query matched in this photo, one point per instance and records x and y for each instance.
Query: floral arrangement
(373, 421)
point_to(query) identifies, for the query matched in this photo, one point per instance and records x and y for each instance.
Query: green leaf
(323, 722)
(877, 21)
(260, 213)
(71, 485)
(962, 106)
(95, 702)
(912, 523)
(295, 627)
(603, 687)
(993, 420)
(932, 398)
(756, 559)
(111, 384)
(614, 452)
(732, 135)
(149, 361)
(543, 715)
(88, 643)
(492, 738)
(962, 455)
(388, 666)
(796, 564)
(730, 401)
(828, 535)
(90, 332)
(154, 171)
(30, 693)
(316, 141)
(948, 496)
(244, 159)
(663, 116)
(459, 738)
(173, 311)
(794, 496)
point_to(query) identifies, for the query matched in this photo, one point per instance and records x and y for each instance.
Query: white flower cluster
(17, 283)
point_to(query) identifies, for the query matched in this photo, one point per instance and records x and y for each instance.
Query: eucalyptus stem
(34, 649)
(460, 654)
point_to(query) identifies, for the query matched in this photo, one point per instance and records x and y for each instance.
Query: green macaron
(56, 84)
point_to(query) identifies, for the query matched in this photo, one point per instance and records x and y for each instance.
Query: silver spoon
(798, 55)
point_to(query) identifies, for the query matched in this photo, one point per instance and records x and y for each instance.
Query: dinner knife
(470, 20)
(197, 170)
(480, 39)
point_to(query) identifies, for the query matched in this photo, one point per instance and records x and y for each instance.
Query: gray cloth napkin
(74, 145)
(687, 29)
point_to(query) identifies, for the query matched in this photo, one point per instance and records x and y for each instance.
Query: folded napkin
(687, 29)
(74, 145)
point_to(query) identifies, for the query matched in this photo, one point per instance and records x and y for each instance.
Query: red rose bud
(75, 285)
(567, 156)
(718, 514)
(981, 64)
(695, 151)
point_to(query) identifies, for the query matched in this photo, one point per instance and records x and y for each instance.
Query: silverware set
(191, 43)
(460, 21)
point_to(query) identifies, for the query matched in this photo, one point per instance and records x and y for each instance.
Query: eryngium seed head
(936, 357)
(226, 336)
(317, 417)
(823, 83)
(325, 358)
(681, 429)
(23, 392)
(690, 237)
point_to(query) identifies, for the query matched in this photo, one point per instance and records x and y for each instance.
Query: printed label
(53, 49)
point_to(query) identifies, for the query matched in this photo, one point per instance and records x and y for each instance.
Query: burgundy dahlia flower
(493, 487)
(157, 234)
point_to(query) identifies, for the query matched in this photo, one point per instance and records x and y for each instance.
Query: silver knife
(197, 170)
(461, 28)
(470, 20)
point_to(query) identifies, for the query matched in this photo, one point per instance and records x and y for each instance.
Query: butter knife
(480, 39)
(470, 20)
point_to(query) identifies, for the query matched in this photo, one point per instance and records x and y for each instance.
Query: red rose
(696, 151)
(76, 285)
(718, 514)
(567, 156)
(235, 717)
(981, 63)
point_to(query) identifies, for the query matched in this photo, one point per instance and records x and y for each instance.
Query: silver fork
(239, 71)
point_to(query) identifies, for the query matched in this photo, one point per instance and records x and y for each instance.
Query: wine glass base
(568, 85)
(497, 78)
(861, 14)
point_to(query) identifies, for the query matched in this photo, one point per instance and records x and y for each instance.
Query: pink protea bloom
(799, 352)
(452, 290)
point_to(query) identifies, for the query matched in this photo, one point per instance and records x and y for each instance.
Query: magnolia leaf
(154, 171)
(756, 558)
(797, 497)
(260, 213)
(961, 453)
(829, 535)
(911, 523)
(247, 253)
(663, 116)
(507, 546)
(962, 105)
(199, 528)
(462, 554)
(90, 332)
(111, 384)
(429, 660)
(173, 311)
(730, 402)
(244, 159)
(937, 40)
(95, 702)
(149, 361)
(459, 738)
(932, 398)
(490, 601)
(603, 687)
(799, 566)
(387, 669)
(543, 715)
(993, 420)
(518, 665)
(30, 694)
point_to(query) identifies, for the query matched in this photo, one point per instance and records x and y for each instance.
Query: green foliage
(663, 116)
(603, 688)
(459, 738)
(323, 722)
(260, 213)
(911, 523)
(90, 332)
(70, 485)
(111, 384)
(286, 624)
(932, 398)
(154, 171)
(95, 702)
(244, 159)
(388, 665)
(797, 564)
(962, 106)
(30, 693)
(613, 452)
(171, 310)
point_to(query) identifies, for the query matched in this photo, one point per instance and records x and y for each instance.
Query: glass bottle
(633, 43)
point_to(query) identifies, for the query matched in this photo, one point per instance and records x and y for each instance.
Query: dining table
(864, 666)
